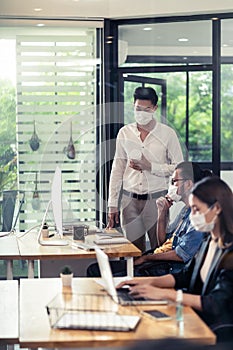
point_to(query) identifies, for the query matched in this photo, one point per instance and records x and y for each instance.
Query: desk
(9, 332)
(9, 251)
(31, 250)
(35, 329)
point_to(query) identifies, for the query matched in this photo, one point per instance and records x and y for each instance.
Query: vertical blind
(56, 97)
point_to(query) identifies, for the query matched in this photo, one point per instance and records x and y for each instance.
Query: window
(51, 90)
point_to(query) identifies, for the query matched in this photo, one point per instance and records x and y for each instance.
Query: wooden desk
(9, 251)
(31, 250)
(9, 332)
(35, 330)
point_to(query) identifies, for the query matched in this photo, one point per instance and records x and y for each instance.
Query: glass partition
(226, 100)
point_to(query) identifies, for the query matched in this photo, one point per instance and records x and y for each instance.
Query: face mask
(172, 193)
(143, 118)
(199, 222)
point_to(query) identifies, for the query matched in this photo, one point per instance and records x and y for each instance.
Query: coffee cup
(79, 232)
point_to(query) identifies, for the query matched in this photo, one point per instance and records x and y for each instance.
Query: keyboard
(126, 299)
(55, 242)
(110, 240)
(124, 295)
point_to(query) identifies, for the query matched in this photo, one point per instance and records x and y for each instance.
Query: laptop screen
(106, 273)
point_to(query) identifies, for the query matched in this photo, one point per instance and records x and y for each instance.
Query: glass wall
(49, 76)
(226, 99)
(180, 53)
(184, 54)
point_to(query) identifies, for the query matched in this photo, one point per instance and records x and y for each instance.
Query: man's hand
(140, 165)
(163, 205)
(113, 217)
(135, 281)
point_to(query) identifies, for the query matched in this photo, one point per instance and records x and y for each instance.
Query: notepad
(107, 321)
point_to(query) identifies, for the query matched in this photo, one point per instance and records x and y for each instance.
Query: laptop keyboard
(124, 295)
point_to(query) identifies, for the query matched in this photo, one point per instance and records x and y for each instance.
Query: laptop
(121, 296)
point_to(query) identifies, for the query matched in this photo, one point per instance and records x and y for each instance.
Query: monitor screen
(56, 200)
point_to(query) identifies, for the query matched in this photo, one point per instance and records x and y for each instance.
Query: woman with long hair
(207, 281)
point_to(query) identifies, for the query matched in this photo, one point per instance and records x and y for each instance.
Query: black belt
(145, 196)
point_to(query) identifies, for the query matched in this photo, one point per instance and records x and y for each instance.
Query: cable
(26, 232)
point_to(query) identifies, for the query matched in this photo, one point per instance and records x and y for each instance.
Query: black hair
(192, 171)
(146, 93)
(211, 190)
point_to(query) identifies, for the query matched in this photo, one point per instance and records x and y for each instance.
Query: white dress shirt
(161, 148)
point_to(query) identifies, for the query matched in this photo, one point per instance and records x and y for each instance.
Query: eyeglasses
(173, 181)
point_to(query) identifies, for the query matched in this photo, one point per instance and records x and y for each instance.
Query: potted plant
(66, 275)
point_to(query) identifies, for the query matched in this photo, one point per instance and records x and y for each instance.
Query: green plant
(66, 270)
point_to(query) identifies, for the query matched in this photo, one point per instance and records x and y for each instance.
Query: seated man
(177, 247)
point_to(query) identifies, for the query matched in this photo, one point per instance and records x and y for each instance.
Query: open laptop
(121, 296)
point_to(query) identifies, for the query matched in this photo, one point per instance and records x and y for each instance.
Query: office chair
(8, 208)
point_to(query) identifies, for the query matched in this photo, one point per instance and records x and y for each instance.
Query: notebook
(121, 296)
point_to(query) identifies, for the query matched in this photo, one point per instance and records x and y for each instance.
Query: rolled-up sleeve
(188, 243)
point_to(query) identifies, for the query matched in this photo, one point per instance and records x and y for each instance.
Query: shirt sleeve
(187, 244)
(173, 157)
(116, 177)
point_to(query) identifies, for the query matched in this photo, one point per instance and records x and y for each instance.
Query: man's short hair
(146, 93)
(192, 171)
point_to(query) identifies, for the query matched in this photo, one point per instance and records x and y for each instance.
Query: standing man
(146, 155)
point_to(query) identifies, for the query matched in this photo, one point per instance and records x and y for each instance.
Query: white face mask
(142, 117)
(199, 222)
(172, 193)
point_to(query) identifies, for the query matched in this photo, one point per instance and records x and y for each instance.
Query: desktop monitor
(56, 203)
(56, 200)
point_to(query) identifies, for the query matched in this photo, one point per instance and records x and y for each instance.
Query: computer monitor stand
(50, 241)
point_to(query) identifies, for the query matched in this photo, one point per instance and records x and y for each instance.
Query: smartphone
(158, 315)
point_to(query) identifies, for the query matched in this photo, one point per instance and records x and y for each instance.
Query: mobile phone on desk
(158, 315)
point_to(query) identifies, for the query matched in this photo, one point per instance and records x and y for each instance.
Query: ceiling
(110, 8)
(171, 35)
